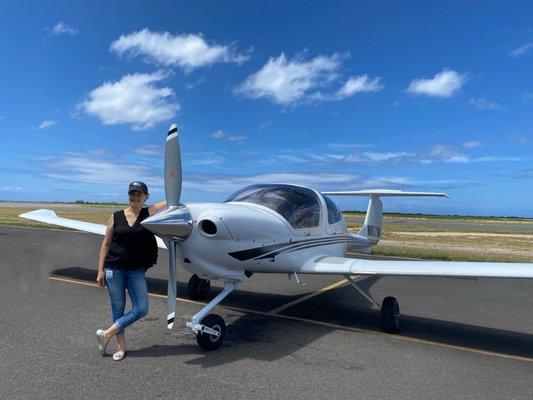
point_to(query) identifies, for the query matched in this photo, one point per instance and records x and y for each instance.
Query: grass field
(403, 235)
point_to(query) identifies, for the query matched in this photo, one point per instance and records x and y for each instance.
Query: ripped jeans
(117, 281)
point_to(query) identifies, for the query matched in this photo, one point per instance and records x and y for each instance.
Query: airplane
(274, 228)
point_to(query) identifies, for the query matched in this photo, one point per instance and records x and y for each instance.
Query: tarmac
(460, 338)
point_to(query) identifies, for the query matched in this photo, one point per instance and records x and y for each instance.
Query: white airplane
(274, 228)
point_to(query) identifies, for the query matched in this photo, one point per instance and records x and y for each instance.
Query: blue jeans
(118, 280)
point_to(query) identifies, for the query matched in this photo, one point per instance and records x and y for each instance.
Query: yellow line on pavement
(328, 324)
(309, 296)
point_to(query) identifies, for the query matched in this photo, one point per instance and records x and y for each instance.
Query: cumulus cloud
(220, 134)
(186, 51)
(522, 50)
(357, 84)
(288, 81)
(135, 100)
(483, 104)
(47, 124)
(444, 84)
(61, 28)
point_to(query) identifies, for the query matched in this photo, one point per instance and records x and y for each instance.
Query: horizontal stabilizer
(50, 217)
(343, 266)
(384, 192)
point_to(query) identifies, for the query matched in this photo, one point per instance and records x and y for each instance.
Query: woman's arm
(156, 207)
(106, 243)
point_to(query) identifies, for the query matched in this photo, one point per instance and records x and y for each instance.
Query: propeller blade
(172, 285)
(172, 167)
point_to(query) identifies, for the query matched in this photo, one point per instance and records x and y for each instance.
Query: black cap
(138, 186)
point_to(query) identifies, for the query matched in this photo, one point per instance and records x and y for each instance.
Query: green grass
(431, 253)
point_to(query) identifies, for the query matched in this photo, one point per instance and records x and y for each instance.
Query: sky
(332, 95)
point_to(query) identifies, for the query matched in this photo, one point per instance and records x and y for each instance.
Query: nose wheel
(198, 288)
(390, 315)
(212, 333)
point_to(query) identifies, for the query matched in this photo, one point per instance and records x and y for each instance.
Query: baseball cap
(138, 186)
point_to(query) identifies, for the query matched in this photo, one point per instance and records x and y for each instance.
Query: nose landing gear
(212, 333)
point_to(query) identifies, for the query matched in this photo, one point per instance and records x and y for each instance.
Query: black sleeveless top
(132, 247)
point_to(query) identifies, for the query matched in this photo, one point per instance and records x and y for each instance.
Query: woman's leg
(121, 342)
(138, 292)
(116, 286)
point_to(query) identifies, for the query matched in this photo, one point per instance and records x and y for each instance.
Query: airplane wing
(385, 192)
(352, 266)
(50, 217)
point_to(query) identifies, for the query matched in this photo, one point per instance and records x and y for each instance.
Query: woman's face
(136, 198)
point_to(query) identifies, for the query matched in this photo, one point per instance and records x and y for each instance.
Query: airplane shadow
(247, 334)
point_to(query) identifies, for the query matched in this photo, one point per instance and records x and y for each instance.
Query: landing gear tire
(390, 315)
(197, 288)
(210, 342)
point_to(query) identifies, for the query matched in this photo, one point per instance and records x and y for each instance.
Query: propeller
(175, 223)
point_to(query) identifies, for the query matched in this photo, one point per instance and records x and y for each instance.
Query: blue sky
(342, 95)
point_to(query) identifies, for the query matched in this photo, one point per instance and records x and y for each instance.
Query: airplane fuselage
(231, 238)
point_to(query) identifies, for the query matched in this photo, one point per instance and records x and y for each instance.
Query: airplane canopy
(298, 205)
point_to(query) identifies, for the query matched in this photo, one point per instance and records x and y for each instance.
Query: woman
(127, 251)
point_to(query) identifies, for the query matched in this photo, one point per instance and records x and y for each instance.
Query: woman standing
(127, 251)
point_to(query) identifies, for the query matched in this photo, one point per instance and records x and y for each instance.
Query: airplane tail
(374, 215)
(374, 219)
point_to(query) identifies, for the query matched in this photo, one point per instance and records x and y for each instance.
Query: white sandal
(119, 355)
(100, 340)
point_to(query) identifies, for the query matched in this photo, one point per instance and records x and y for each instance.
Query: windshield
(299, 206)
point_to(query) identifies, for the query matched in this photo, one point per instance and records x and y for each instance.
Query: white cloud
(133, 100)
(85, 169)
(357, 84)
(518, 138)
(228, 183)
(522, 50)
(447, 154)
(61, 28)
(150, 150)
(444, 84)
(264, 125)
(11, 188)
(186, 51)
(483, 104)
(47, 124)
(220, 134)
(380, 157)
(471, 144)
(290, 81)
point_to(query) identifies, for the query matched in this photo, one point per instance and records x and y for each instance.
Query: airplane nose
(174, 223)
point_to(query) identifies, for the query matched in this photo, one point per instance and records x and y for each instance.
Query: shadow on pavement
(250, 329)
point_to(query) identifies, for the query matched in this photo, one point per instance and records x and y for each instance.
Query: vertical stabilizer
(374, 218)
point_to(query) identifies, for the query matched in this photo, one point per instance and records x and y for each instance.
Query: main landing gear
(197, 288)
(210, 329)
(390, 310)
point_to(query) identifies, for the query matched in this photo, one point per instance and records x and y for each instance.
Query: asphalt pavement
(460, 338)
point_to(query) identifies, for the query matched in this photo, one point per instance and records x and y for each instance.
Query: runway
(459, 339)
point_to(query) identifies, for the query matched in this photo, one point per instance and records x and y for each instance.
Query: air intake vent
(208, 227)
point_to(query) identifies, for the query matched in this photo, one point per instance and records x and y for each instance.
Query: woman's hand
(100, 278)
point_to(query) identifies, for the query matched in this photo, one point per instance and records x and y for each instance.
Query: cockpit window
(334, 214)
(297, 205)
